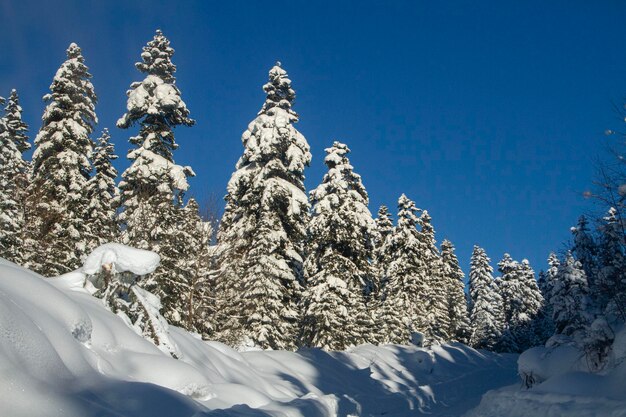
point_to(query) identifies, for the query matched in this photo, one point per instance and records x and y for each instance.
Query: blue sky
(489, 115)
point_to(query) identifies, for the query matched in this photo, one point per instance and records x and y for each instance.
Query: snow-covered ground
(63, 354)
(563, 385)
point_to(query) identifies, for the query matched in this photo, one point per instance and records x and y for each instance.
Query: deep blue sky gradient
(489, 115)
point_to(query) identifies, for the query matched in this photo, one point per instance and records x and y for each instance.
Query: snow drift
(563, 382)
(62, 353)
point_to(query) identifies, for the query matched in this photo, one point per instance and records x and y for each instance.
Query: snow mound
(561, 384)
(62, 353)
(124, 258)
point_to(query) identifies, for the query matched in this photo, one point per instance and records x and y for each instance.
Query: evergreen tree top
(157, 58)
(553, 259)
(336, 155)
(407, 217)
(74, 52)
(104, 152)
(447, 246)
(193, 205)
(480, 262)
(384, 222)
(72, 94)
(449, 256)
(427, 228)
(507, 265)
(279, 92)
(15, 125)
(527, 270)
(341, 172)
(341, 186)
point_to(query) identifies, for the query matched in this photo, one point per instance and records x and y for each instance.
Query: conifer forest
(125, 292)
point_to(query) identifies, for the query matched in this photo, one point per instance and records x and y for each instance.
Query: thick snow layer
(562, 385)
(123, 258)
(62, 353)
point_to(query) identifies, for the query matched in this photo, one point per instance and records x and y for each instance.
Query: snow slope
(63, 354)
(563, 385)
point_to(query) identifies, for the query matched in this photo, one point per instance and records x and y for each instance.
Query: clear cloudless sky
(488, 114)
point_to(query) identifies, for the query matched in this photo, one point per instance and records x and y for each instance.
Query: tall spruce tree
(522, 301)
(16, 127)
(384, 231)
(13, 180)
(486, 314)
(103, 194)
(545, 282)
(436, 321)
(200, 306)
(528, 333)
(458, 317)
(338, 265)
(381, 259)
(404, 305)
(570, 299)
(263, 229)
(153, 187)
(57, 232)
(609, 288)
(185, 282)
(585, 249)
(153, 182)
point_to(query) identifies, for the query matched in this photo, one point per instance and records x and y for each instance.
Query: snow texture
(62, 353)
(562, 384)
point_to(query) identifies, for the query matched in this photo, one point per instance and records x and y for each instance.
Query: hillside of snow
(62, 353)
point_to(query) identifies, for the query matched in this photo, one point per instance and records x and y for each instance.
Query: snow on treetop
(156, 57)
(122, 258)
(279, 92)
(152, 96)
(335, 155)
(74, 51)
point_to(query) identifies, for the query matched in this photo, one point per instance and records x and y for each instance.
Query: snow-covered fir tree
(529, 322)
(404, 305)
(522, 301)
(153, 180)
(545, 282)
(584, 249)
(263, 229)
(185, 283)
(381, 259)
(383, 231)
(338, 266)
(152, 188)
(13, 180)
(16, 127)
(436, 322)
(550, 276)
(384, 226)
(569, 299)
(510, 287)
(200, 301)
(103, 194)
(486, 314)
(453, 279)
(609, 287)
(57, 232)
